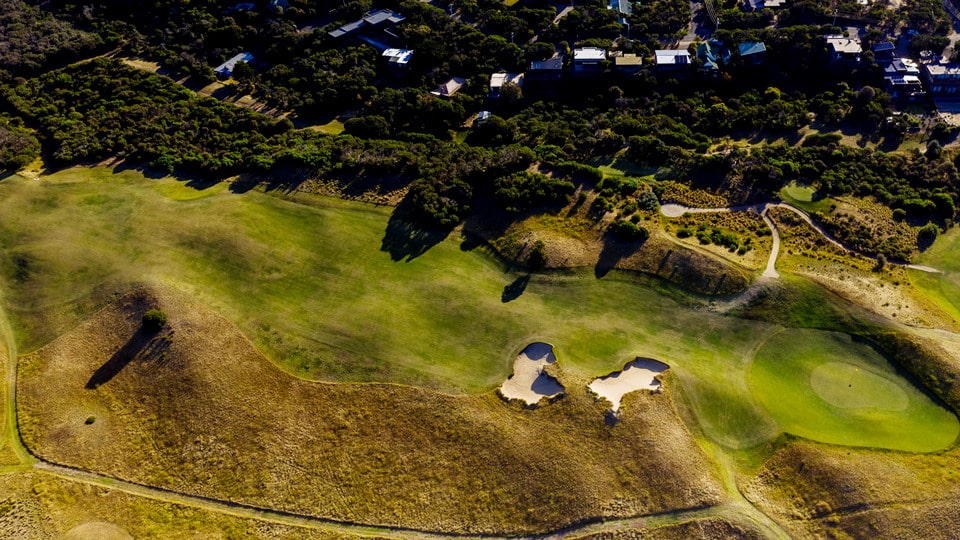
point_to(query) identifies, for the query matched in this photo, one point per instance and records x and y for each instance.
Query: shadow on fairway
(405, 241)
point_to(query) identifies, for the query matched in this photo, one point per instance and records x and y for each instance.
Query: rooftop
(751, 47)
(671, 56)
(944, 70)
(497, 80)
(844, 45)
(551, 64)
(450, 87)
(400, 57)
(227, 67)
(589, 54)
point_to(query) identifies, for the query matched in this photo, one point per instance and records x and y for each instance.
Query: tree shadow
(143, 345)
(514, 289)
(404, 240)
(612, 253)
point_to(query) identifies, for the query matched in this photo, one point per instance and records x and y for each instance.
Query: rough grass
(39, 505)
(820, 491)
(198, 409)
(826, 387)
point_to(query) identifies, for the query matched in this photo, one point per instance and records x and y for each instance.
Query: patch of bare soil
(197, 409)
(817, 491)
(704, 529)
(97, 530)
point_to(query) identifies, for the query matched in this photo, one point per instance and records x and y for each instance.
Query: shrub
(154, 320)
(537, 258)
(628, 231)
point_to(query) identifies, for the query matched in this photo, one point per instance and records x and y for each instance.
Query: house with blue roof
(752, 52)
(225, 70)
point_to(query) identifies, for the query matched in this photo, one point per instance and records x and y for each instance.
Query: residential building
(546, 70)
(757, 5)
(225, 70)
(752, 52)
(941, 79)
(450, 87)
(671, 58)
(624, 7)
(379, 18)
(497, 80)
(627, 63)
(398, 58)
(707, 54)
(884, 52)
(844, 50)
(588, 60)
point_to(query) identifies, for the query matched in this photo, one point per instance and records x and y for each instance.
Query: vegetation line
(312, 522)
(10, 426)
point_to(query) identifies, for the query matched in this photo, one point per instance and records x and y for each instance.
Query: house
(450, 87)
(884, 52)
(903, 87)
(941, 79)
(843, 50)
(398, 58)
(666, 59)
(378, 18)
(707, 53)
(546, 70)
(225, 70)
(624, 7)
(497, 80)
(588, 60)
(627, 63)
(752, 52)
(757, 5)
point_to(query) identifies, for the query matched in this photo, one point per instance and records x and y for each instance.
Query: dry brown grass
(199, 410)
(39, 505)
(703, 529)
(815, 491)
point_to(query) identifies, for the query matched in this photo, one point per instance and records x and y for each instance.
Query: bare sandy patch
(97, 530)
(640, 374)
(529, 382)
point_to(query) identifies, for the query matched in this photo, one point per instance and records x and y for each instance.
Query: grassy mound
(826, 387)
(819, 491)
(196, 408)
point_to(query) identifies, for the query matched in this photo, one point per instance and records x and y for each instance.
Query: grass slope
(196, 408)
(826, 387)
(340, 291)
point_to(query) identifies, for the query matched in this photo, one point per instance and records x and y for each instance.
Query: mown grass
(805, 197)
(826, 387)
(338, 291)
(942, 288)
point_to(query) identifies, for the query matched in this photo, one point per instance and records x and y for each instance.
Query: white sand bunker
(528, 381)
(640, 374)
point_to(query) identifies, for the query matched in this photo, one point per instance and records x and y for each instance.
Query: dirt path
(676, 210)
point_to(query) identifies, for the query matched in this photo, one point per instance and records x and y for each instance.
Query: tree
(537, 258)
(154, 320)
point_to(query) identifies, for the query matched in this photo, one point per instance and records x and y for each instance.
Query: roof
(450, 87)
(943, 70)
(671, 57)
(751, 47)
(551, 64)
(379, 16)
(884, 46)
(400, 57)
(589, 54)
(227, 67)
(623, 6)
(844, 45)
(497, 80)
(627, 60)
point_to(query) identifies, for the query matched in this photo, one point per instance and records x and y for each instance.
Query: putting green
(847, 386)
(827, 387)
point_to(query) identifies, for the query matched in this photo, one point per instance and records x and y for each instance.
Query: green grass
(826, 387)
(943, 288)
(805, 197)
(311, 284)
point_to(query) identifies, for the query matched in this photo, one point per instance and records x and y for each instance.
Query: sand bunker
(528, 381)
(639, 374)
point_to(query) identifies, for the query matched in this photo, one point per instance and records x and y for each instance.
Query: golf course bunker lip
(638, 374)
(528, 381)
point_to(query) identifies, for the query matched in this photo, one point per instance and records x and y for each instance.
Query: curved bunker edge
(637, 374)
(529, 382)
